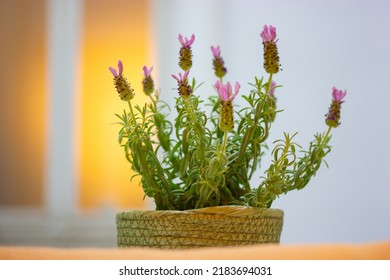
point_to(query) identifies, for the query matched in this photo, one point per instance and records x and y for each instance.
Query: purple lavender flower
(185, 54)
(185, 42)
(269, 34)
(216, 52)
(218, 63)
(123, 88)
(271, 56)
(147, 82)
(333, 116)
(182, 84)
(338, 95)
(226, 95)
(225, 91)
(120, 69)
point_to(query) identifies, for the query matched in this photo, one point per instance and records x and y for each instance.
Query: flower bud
(226, 96)
(183, 87)
(218, 63)
(147, 82)
(185, 58)
(122, 86)
(271, 56)
(333, 116)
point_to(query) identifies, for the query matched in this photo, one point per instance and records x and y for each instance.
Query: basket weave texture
(207, 227)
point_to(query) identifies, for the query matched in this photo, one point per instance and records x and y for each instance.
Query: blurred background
(63, 176)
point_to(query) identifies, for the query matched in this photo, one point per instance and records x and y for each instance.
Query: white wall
(322, 44)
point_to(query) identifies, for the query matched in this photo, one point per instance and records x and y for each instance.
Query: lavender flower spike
(334, 113)
(218, 63)
(183, 87)
(122, 86)
(226, 95)
(185, 54)
(271, 56)
(147, 82)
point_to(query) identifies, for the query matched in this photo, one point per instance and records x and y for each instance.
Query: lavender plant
(202, 166)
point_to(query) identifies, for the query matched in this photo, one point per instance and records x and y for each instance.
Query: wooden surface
(366, 251)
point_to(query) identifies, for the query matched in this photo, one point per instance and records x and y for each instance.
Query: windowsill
(35, 227)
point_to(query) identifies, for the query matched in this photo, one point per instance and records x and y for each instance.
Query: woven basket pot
(205, 227)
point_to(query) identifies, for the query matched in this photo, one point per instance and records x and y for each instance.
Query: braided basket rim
(228, 210)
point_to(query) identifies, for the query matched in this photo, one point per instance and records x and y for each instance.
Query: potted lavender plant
(198, 168)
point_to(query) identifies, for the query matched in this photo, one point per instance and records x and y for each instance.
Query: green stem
(131, 111)
(269, 84)
(154, 101)
(199, 129)
(309, 165)
(224, 143)
(189, 110)
(326, 135)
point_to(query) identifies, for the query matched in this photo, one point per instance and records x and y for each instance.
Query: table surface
(363, 251)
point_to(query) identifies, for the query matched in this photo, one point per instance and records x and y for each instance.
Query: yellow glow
(111, 32)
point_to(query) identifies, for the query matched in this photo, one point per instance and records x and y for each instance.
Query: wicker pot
(206, 227)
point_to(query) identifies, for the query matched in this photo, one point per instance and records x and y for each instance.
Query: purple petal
(265, 29)
(120, 67)
(335, 94)
(189, 43)
(343, 94)
(268, 34)
(264, 33)
(218, 85)
(181, 40)
(262, 36)
(216, 51)
(185, 74)
(237, 87)
(223, 94)
(221, 90)
(147, 71)
(175, 77)
(113, 71)
(272, 32)
(229, 89)
(338, 95)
